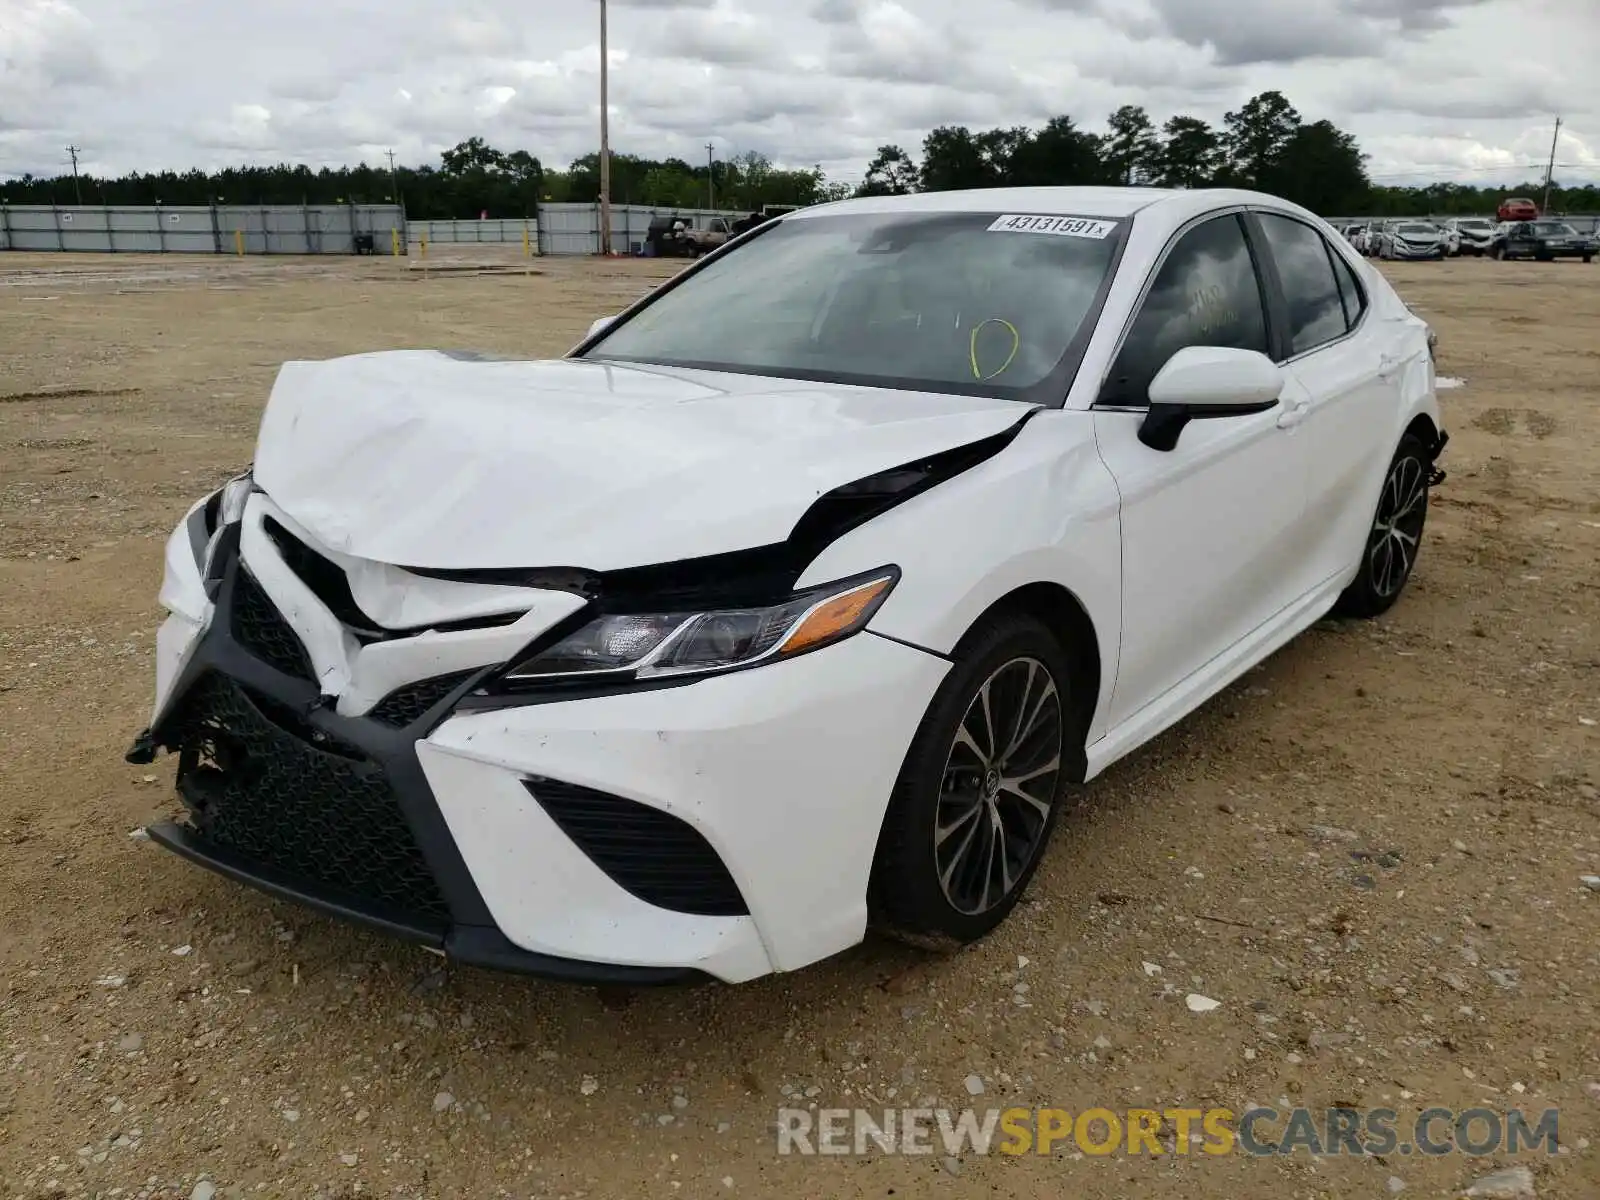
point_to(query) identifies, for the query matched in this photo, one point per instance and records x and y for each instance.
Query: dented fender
(1053, 508)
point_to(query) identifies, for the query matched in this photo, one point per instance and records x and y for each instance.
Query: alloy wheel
(999, 785)
(1402, 508)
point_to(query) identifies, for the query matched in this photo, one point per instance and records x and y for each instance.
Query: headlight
(657, 645)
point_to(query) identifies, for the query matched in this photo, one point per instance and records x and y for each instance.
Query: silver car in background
(1412, 240)
(1468, 235)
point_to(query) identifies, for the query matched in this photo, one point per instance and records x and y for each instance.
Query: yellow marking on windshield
(972, 348)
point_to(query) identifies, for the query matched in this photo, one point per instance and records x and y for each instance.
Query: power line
(1457, 168)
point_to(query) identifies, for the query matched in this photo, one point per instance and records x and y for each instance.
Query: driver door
(1211, 545)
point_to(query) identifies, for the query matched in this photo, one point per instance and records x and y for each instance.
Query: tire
(1376, 587)
(944, 894)
(1588, 258)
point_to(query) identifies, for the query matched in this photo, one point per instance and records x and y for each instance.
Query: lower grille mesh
(317, 810)
(407, 704)
(261, 629)
(648, 852)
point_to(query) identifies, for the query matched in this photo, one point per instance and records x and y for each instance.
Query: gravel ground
(1371, 851)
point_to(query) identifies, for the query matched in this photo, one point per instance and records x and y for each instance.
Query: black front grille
(648, 852)
(269, 787)
(408, 703)
(261, 629)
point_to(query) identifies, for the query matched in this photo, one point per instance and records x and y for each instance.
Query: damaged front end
(300, 681)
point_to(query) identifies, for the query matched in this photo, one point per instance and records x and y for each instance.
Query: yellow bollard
(394, 242)
(238, 242)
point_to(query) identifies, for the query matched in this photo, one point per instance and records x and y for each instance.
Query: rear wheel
(1395, 538)
(980, 789)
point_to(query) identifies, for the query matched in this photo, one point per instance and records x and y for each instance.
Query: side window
(1205, 294)
(1316, 313)
(1350, 289)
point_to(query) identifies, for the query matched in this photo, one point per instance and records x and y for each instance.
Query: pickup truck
(703, 241)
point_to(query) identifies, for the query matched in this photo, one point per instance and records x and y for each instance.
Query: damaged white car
(793, 601)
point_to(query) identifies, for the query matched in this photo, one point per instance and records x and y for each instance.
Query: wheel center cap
(991, 783)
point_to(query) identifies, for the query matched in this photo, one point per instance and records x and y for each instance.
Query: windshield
(984, 303)
(1418, 229)
(1554, 229)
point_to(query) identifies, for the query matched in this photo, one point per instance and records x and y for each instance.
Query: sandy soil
(1369, 851)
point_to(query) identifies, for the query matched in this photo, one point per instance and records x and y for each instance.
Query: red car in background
(1518, 208)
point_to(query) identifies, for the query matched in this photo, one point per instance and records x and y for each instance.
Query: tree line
(471, 178)
(1264, 144)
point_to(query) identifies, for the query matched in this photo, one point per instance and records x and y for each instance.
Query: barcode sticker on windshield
(1084, 227)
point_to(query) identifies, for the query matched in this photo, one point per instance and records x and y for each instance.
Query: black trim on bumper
(470, 936)
(472, 945)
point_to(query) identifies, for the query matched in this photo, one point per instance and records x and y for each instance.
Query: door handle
(1293, 415)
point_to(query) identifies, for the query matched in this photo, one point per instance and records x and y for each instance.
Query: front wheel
(980, 789)
(1390, 554)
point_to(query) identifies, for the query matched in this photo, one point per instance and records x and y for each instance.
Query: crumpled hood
(429, 459)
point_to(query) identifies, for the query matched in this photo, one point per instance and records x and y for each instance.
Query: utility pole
(77, 188)
(394, 179)
(1550, 170)
(711, 170)
(605, 138)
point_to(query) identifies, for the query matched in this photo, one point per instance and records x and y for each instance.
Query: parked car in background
(1517, 208)
(1469, 235)
(1544, 241)
(1412, 240)
(1366, 241)
(794, 600)
(1353, 234)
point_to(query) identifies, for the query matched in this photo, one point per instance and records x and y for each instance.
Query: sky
(1463, 90)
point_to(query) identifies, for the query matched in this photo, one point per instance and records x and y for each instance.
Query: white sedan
(794, 600)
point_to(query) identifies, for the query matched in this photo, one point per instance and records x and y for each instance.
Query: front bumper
(721, 829)
(1401, 250)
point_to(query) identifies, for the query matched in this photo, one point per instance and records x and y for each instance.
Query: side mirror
(1202, 382)
(598, 325)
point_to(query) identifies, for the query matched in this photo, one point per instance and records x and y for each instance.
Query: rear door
(1349, 373)
(1210, 529)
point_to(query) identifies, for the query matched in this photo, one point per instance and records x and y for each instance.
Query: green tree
(1059, 155)
(892, 173)
(1256, 138)
(1131, 149)
(1322, 168)
(474, 154)
(1190, 155)
(953, 159)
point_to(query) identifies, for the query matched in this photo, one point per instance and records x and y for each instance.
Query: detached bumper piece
(330, 812)
(1436, 474)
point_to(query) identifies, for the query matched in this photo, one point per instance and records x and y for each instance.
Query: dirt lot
(1369, 851)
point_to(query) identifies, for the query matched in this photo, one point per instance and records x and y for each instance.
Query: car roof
(1108, 202)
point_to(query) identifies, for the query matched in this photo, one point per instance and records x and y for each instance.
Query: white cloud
(1427, 86)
